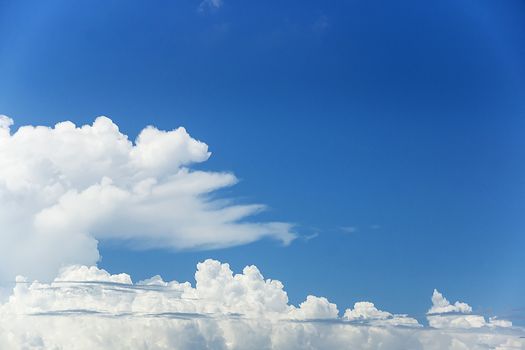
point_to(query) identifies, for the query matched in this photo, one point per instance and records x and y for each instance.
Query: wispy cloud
(210, 5)
(348, 229)
(321, 24)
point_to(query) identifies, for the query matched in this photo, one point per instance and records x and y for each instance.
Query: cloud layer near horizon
(64, 188)
(88, 308)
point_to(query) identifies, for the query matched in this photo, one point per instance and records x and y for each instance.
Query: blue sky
(403, 122)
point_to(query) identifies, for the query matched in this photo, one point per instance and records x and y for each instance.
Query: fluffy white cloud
(367, 312)
(64, 188)
(315, 308)
(442, 314)
(88, 308)
(441, 305)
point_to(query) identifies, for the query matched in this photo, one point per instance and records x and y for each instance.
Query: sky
(384, 139)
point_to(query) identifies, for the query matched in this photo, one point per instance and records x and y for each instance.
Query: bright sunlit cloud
(64, 188)
(88, 308)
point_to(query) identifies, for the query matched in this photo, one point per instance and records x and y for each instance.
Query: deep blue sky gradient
(404, 120)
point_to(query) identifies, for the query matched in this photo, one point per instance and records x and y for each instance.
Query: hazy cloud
(348, 229)
(210, 5)
(321, 24)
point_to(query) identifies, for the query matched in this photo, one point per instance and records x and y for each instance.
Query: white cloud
(367, 312)
(315, 308)
(64, 188)
(87, 308)
(440, 305)
(442, 314)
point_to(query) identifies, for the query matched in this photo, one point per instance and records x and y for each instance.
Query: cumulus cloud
(443, 314)
(367, 312)
(441, 305)
(63, 188)
(88, 308)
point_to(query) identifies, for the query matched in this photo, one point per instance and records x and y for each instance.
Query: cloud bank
(64, 188)
(88, 308)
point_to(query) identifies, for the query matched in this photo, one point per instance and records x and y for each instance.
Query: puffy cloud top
(315, 308)
(86, 307)
(442, 314)
(5, 122)
(63, 188)
(367, 312)
(441, 305)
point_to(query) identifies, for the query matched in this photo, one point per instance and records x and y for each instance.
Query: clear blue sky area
(391, 133)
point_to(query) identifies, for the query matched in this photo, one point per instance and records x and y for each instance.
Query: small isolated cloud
(210, 5)
(63, 188)
(349, 229)
(88, 308)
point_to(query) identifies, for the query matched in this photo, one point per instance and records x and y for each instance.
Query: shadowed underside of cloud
(88, 308)
(64, 188)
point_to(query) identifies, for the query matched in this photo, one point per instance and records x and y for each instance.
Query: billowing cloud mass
(64, 188)
(88, 308)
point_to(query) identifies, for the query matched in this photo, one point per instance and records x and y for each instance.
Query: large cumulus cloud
(64, 188)
(88, 308)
